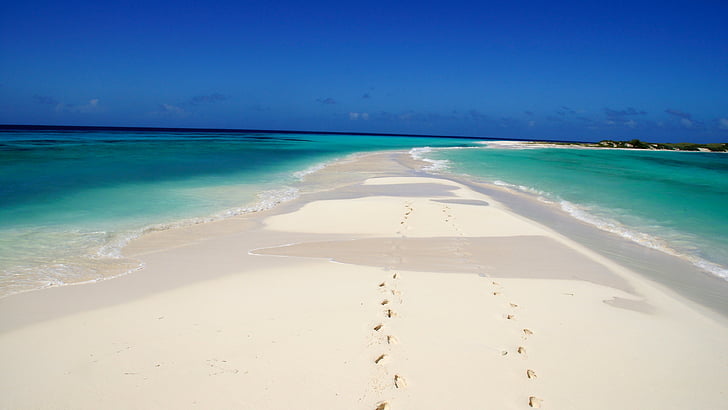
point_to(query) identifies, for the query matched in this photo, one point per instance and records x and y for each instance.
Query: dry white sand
(399, 293)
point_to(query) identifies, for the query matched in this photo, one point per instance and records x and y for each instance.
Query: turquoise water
(672, 201)
(70, 200)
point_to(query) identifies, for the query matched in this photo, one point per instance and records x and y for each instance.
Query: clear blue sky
(517, 69)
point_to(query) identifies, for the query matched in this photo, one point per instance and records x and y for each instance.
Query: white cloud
(91, 106)
(723, 123)
(686, 122)
(169, 110)
(172, 109)
(358, 115)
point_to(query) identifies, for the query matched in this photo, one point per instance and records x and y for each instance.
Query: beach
(386, 287)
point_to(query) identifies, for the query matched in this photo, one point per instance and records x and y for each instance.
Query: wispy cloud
(624, 118)
(92, 105)
(509, 122)
(187, 107)
(359, 115)
(686, 119)
(326, 101)
(564, 111)
(723, 123)
(89, 107)
(627, 112)
(44, 100)
(680, 114)
(259, 108)
(207, 99)
(476, 115)
(169, 110)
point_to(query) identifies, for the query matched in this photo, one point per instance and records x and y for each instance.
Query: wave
(587, 214)
(607, 224)
(435, 165)
(102, 256)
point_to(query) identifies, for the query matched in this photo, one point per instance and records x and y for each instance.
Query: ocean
(674, 202)
(71, 199)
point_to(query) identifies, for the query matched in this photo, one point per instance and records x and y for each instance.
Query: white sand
(208, 325)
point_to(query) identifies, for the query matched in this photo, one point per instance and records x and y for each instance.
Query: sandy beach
(381, 287)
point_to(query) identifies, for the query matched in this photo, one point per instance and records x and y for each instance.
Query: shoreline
(648, 261)
(115, 268)
(392, 287)
(584, 145)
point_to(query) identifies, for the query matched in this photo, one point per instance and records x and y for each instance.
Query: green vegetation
(681, 146)
(637, 144)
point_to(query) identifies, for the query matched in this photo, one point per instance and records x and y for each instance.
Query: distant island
(637, 144)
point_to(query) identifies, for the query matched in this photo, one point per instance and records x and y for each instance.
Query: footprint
(394, 276)
(382, 406)
(510, 317)
(390, 313)
(534, 402)
(513, 305)
(384, 302)
(495, 283)
(378, 327)
(527, 332)
(530, 374)
(496, 293)
(383, 284)
(521, 350)
(384, 356)
(399, 382)
(391, 340)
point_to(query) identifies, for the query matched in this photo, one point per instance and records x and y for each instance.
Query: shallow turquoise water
(672, 201)
(70, 200)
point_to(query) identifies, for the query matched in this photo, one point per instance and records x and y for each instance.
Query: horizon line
(33, 127)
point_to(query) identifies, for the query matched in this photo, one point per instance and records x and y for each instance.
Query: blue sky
(518, 69)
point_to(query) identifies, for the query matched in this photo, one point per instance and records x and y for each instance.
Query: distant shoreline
(721, 148)
(18, 127)
(634, 144)
(651, 146)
